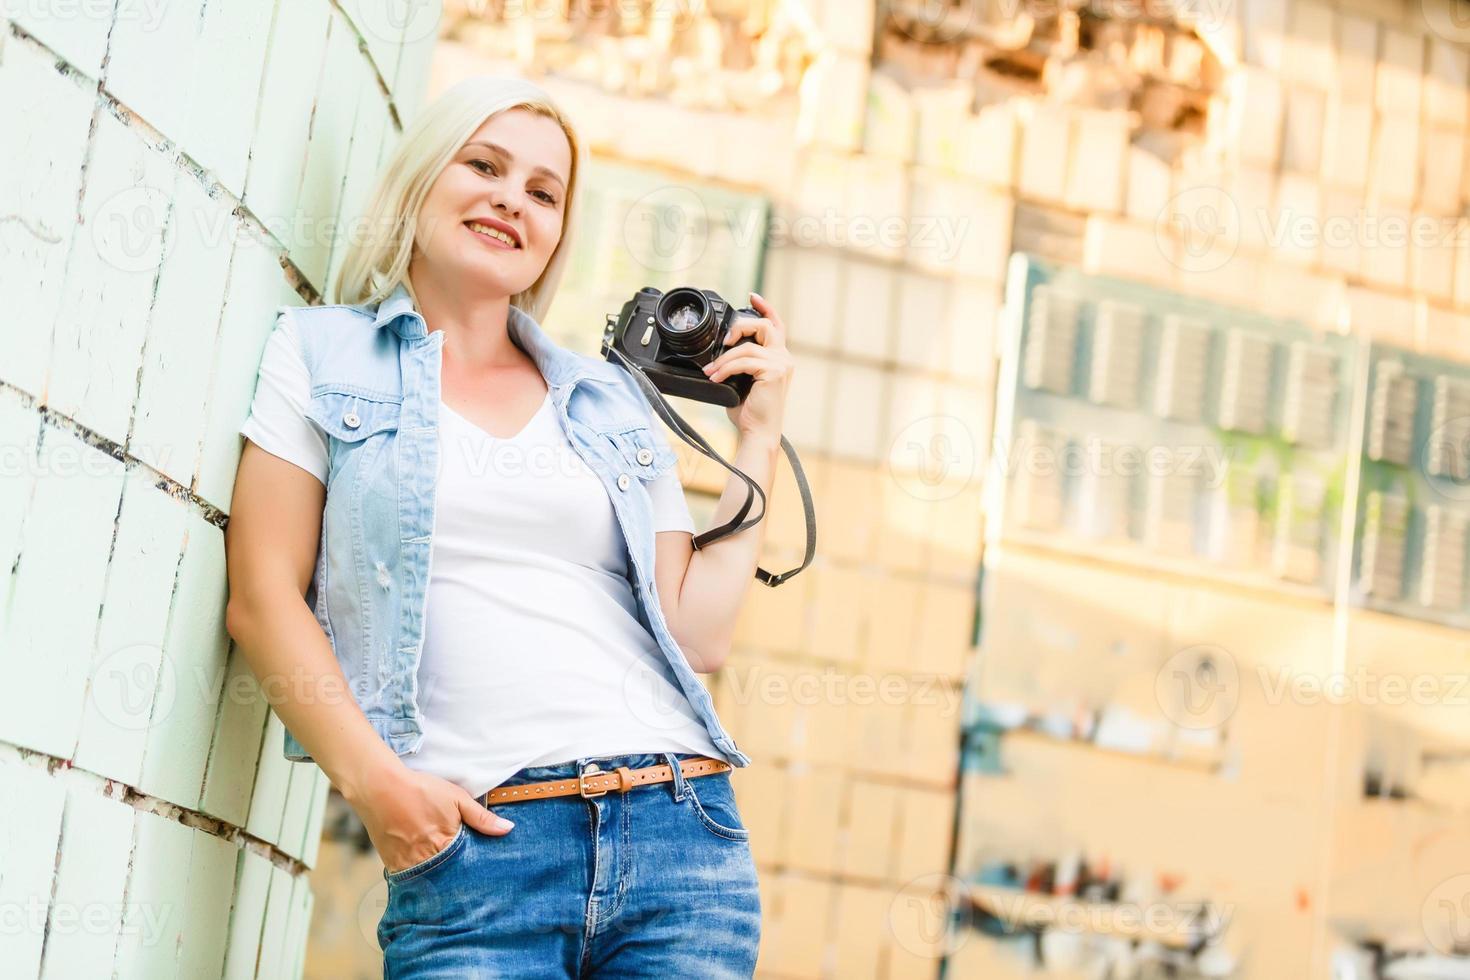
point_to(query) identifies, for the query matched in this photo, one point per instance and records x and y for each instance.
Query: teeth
(492, 232)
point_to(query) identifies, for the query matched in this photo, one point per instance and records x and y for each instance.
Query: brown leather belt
(594, 782)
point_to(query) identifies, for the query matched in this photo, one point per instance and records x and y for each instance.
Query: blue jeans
(657, 881)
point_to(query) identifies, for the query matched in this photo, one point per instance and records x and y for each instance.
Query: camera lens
(684, 321)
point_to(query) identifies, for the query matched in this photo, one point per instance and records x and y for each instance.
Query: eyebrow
(510, 156)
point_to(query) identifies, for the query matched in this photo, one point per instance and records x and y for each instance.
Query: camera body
(672, 335)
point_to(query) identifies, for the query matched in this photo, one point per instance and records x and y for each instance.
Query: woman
(460, 564)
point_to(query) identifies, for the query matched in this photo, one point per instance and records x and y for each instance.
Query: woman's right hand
(415, 815)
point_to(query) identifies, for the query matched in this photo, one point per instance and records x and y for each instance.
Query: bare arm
(270, 550)
(271, 545)
(701, 592)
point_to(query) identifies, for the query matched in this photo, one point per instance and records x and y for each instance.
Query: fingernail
(707, 368)
(756, 295)
(504, 824)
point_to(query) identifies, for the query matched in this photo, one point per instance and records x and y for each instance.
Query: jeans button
(351, 420)
(645, 456)
(623, 481)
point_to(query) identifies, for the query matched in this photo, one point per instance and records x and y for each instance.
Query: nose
(505, 201)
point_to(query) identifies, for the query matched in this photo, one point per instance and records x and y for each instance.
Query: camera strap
(752, 489)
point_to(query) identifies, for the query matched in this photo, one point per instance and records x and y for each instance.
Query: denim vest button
(645, 456)
(623, 482)
(351, 420)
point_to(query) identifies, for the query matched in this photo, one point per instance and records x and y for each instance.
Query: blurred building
(1130, 342)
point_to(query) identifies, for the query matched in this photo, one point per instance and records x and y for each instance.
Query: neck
(474, 323)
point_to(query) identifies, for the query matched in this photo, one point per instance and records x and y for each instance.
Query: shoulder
(320, 329)
(307, 318)
(628, 398)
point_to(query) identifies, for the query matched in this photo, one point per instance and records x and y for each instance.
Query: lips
(497, 225)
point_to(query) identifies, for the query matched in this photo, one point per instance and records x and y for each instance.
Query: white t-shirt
(533, 652)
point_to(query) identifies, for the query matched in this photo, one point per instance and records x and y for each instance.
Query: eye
(549, 199)
(477, 163)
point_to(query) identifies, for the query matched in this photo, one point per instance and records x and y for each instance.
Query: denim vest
(375, 374)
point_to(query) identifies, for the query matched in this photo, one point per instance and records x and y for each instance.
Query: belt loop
(673, 762)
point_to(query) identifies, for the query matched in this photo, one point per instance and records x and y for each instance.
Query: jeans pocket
(429, 863)
(713, 799)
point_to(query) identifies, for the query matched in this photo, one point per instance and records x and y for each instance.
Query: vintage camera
(671, 336)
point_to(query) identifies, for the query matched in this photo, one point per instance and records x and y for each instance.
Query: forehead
(530, 138)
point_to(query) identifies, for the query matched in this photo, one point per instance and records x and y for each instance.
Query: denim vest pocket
(643, 455)
(351, 419)
(350, 416)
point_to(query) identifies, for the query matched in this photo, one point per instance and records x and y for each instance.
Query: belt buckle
(582, 784)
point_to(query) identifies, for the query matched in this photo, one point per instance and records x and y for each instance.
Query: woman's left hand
(768, 361)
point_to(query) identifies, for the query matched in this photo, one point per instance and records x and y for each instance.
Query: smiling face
(494, 215)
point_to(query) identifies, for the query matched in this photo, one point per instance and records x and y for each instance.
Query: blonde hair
(374, 264)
